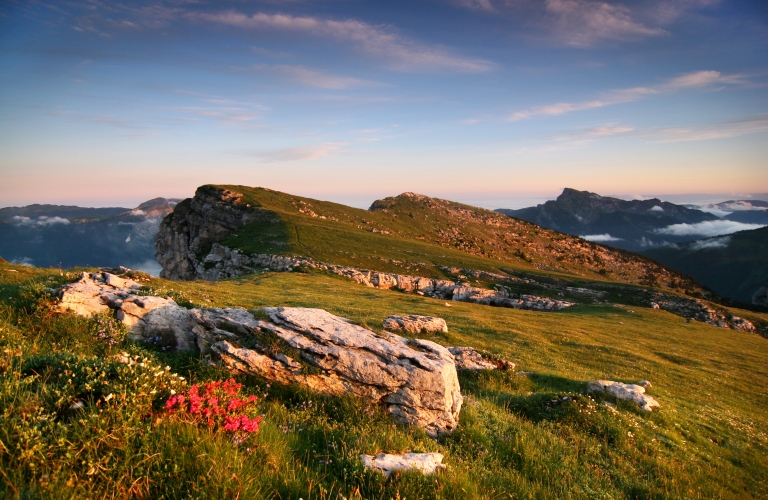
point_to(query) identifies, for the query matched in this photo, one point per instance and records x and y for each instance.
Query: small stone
(415, 324)
(468, 358)
(627, 392)
(427, 463)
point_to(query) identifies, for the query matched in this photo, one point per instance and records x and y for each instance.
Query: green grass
(518, 437)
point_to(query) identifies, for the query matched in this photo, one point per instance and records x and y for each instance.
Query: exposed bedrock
(415, 380)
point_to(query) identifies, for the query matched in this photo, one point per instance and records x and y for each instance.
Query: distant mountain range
(632, 225)
(734, 266)
(638, 225)
(53, 235)
(746, 211)
(687, 238)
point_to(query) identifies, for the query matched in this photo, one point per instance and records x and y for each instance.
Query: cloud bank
(707, 228)
(43, 220)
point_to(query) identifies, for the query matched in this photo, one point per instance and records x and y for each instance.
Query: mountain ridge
(409, 233)
(629, 224)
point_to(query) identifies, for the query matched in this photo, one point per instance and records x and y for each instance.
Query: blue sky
(491, 102)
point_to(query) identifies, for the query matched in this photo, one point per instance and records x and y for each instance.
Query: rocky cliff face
(187, 235)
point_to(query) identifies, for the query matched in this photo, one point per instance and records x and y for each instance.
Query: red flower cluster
(218, 404)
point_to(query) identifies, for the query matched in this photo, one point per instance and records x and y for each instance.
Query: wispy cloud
(398, 52)
(589, 134)
(699, 79)
(486, 5)
(709, 132)
(312, 77)
(710, 243)
(586, 23)
(582, 23)
(300, 153)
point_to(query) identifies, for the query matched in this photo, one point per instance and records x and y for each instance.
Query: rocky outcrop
(627, 392)
(195, 224)
(414, 379)
(700, 310)
(468, 358)
(427, 463)
(415, 324)
(102, 292)
(760, 298)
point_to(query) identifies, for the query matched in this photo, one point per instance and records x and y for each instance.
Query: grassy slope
(412, 234)
(707, 441)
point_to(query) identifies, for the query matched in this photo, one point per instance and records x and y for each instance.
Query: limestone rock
(168, 327)
(468, 358)
(415, 380)
(627, 392)
(100, 292)
(415, 324)
(195, 224)
(702, 311)
(427, 463)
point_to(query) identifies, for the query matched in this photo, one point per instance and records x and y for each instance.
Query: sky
(497, 103)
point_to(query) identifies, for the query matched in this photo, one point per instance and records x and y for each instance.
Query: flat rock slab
(427, 463)
(627, 392)
(415, 324)
(468, 358)
(415, 380)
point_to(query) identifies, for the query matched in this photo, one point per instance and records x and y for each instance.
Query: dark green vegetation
(518, 436)
(412, 234)
(734, 266)
(53, 235)
(632, 224)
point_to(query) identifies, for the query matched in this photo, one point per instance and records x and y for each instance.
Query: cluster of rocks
(102, 292)
(585, 292)
(415, 380)
(634, 393)
(225, 262)
(700, 310)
